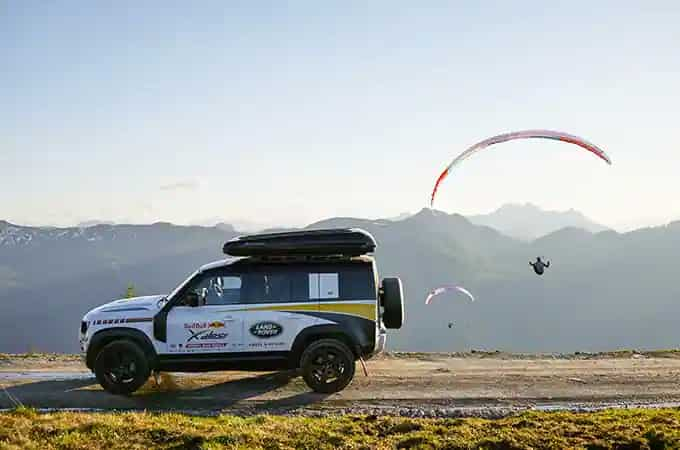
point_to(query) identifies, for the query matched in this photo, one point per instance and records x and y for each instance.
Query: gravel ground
(481, 384)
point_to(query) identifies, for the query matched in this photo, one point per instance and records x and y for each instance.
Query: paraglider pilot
(539, 266)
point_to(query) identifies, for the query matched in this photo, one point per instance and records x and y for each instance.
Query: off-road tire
(327, 366)
(124, 360)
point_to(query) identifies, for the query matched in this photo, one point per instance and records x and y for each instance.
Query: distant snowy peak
(93, 223)
(15, 235)
(528, 222)
(400, 217)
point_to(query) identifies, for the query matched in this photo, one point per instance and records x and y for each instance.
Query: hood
(141, 304)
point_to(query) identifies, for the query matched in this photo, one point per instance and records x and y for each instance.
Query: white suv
(308, 300)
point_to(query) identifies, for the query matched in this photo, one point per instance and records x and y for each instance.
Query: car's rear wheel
(121, 367)
(327, 366)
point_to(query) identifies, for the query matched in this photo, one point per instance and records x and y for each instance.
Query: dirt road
(409, 384)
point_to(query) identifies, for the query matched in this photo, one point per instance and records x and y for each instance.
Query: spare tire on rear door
(392, 300)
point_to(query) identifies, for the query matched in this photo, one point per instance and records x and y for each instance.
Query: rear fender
(314, 333)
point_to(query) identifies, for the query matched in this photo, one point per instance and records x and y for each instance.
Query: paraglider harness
(539, 266)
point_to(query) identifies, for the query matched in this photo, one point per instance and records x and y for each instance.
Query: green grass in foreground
(623, 429)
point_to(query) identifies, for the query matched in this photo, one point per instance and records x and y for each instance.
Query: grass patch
(630, 429)
(66, 357)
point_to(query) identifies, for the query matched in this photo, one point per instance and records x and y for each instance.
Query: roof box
(341, 241)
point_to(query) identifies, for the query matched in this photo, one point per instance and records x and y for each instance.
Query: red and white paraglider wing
(526, 134)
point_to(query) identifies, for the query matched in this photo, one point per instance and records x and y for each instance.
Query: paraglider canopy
(526, 134)
(442, 289)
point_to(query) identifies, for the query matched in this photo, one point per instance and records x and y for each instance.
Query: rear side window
(357, 282)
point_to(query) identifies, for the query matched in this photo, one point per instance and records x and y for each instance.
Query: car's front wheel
(327, 366)
(121, 367)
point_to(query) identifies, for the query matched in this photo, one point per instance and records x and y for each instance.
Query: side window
(221, 290)
(216, 289)
(267, 285)
(300, 285)
(227, 291)
(276, 284)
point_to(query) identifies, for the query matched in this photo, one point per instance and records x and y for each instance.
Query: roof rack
(330, 242)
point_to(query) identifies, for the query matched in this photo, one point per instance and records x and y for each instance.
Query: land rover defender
(308, 300)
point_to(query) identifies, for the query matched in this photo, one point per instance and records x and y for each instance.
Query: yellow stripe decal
(365, 310)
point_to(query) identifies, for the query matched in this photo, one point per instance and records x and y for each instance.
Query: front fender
(103, 337)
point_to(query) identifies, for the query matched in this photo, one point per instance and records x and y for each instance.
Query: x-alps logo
(204, 335)
(266, 330)
(203, 331)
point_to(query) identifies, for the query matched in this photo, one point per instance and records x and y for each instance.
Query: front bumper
(83, 336)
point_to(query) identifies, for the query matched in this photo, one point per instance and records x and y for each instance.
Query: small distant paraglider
(539, 265)
(442, 289)
(527, 134)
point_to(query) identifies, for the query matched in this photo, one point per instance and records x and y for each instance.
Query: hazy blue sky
(287, 112)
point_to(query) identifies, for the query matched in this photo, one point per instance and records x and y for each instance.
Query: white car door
(203, 329)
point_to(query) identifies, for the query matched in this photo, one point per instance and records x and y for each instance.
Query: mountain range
(522, 221)
(528, 222)
(604, 290)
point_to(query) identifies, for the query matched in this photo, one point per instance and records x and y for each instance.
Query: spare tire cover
(393, 302)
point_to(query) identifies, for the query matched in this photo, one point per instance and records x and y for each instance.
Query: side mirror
(191, 299)
(160, 303)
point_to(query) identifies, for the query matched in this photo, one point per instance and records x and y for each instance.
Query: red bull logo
(202, 325)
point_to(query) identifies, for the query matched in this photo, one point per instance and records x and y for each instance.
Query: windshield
(181, 286)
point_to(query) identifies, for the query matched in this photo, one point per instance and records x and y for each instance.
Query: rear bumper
(380, 340)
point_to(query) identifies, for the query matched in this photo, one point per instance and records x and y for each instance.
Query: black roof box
(340, 241)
